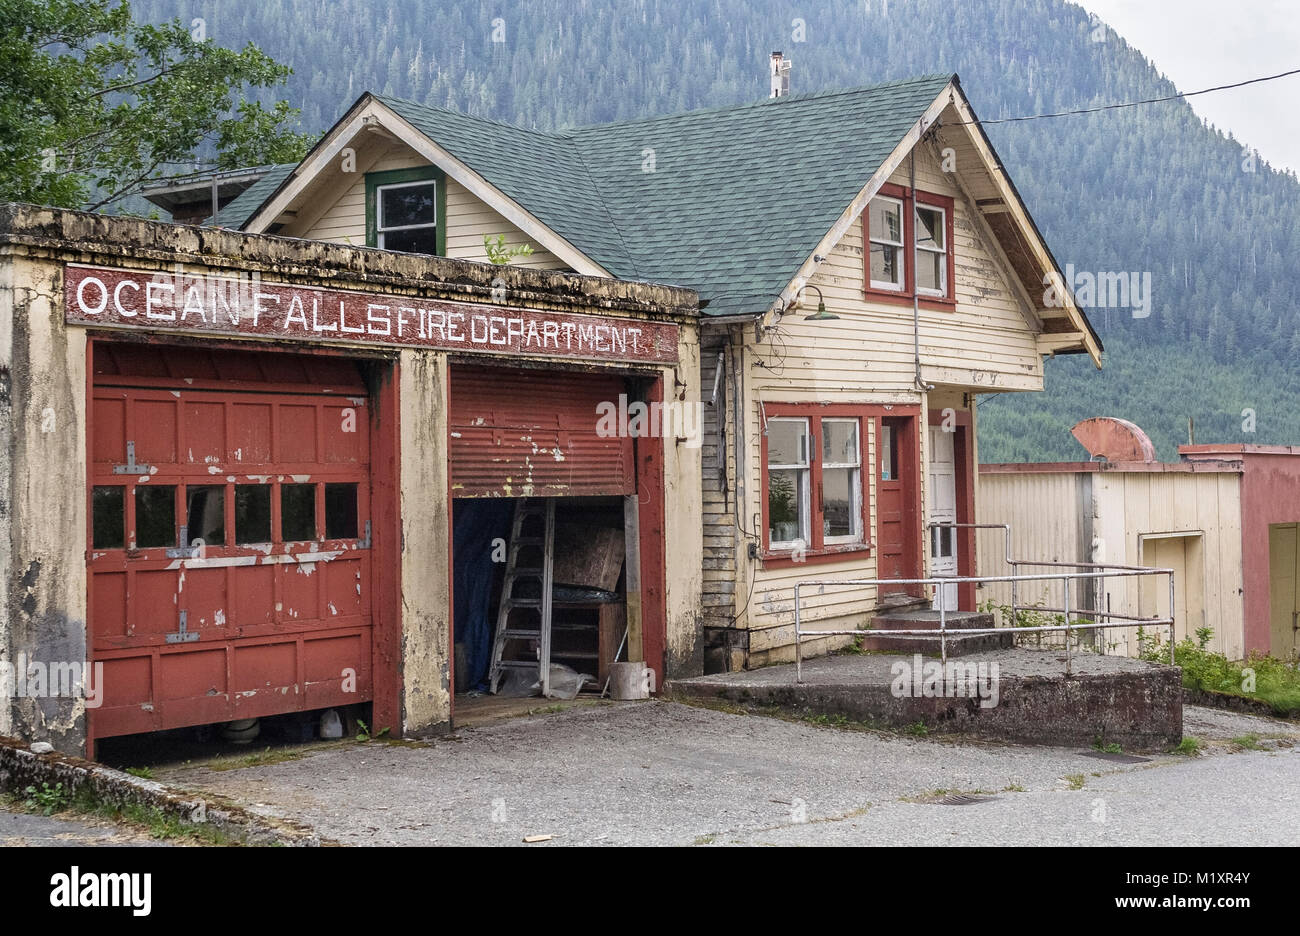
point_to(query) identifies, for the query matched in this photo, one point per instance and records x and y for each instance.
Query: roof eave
(1090, 341)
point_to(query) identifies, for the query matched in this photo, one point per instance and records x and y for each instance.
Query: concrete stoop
(1018, 695)
(957, 644)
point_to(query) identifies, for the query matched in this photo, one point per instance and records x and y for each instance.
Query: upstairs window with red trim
(896, 221)
(813, 485)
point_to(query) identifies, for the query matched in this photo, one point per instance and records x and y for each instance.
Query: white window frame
(803, 495)
(380, 229)
(855, 487)
(942, 252)
(901, 244)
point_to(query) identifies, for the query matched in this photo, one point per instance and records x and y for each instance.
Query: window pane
(205, 515)
(885, 265)
(839, 500)
(108, 508)
(787, 442)
(839, 441)
(888, 454)
(930, 230)
(341, 511)
(885, 221)
(155, 516)
(416, 240)
(297, 512)
(943, 541)
(930, 270)
(252, 513)
(786, 505)
(407, 204)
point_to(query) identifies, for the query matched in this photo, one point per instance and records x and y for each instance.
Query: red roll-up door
(533, 433)
(230, 547)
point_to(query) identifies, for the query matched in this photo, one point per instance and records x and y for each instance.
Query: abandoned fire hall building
(844, 272)
(232, 459)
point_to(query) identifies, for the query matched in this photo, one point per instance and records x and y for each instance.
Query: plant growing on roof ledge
(500, 254)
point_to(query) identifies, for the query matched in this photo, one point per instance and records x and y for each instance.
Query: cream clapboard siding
(866, 356)
(1047, 512)
(468, 219)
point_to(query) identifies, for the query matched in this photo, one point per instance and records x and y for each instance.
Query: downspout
(916, 301)
(738, 432)
(921, 385)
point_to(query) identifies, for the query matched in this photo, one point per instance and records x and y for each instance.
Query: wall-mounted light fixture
(821, 315)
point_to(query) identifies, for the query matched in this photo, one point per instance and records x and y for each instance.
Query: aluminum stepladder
(511, 634)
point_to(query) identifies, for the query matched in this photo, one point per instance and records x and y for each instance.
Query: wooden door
(896, 502)
(230, 537)
(942, 497)
(1283, 601)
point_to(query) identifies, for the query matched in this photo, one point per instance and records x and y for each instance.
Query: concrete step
(958, 644)
(901, 601)
(929, 620)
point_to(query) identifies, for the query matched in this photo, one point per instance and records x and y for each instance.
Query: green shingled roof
(245, 205)
(738, 197)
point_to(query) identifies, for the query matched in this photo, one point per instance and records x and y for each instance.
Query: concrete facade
(44, 385)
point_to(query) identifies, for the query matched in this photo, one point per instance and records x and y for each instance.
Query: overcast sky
(1201, 43)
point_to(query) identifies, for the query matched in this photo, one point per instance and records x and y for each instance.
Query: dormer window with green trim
(405, 209)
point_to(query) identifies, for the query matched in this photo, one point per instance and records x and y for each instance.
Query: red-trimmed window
(895, 221)
(814, 489)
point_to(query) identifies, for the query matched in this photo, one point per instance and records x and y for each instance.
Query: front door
(942, 497)
(896, 502)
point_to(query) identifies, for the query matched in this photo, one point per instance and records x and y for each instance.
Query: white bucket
(628, 681)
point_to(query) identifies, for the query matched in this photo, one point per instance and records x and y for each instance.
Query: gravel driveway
(663, 773)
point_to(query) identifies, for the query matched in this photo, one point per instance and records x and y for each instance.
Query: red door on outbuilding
(230, 569)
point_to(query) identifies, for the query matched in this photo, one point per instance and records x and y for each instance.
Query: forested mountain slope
(1142, 190)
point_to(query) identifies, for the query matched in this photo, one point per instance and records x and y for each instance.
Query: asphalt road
(19, 829)
(662, 773)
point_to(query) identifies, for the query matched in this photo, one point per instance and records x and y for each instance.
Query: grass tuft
(1188, 747)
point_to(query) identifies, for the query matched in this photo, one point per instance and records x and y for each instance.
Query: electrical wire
(753, 579)
(1160, 100)
(778, 354)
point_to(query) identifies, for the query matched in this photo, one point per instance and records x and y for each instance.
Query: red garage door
(535, 433)
(230, 555)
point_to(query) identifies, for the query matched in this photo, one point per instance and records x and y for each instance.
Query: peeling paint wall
(43, 617)
(683, 522)
(426, 542)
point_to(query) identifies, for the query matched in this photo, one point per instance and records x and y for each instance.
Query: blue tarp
(475, 524)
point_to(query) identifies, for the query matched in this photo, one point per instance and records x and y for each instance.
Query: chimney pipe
(780, 75)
